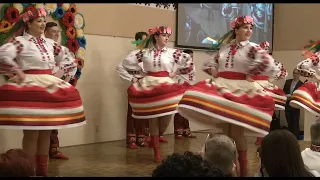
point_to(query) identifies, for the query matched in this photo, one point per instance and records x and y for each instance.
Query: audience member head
(16, 163)
(221, 151)
(315, 133)
(52, 31)
(296, 74)
(188, 51)
(186, 165)
(281, 155)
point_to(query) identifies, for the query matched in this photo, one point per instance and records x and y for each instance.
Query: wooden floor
(115, 160)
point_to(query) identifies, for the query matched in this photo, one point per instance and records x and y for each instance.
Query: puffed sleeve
(305, 66)
(66, 60)
(184, 62)
(130, 65)
(8, 53)
(260, 63)
(281, 71)
(212, 62)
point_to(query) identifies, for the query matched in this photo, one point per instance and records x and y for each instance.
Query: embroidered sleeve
(261, 63)
(184, 62)
(130, 65)
(66, 60)
(281, 71)
(8, 54)
(305, 66)
(213, 62)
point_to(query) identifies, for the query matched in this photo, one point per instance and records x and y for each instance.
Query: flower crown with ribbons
(154, 31)
(160, 30)
(239, 21)
(265, 45)
(26, 16)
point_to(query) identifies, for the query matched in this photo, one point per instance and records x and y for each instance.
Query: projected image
(200, 25)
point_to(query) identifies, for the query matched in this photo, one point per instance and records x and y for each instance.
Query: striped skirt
(229, 99)
(155, 95)
(274, 91)
(40, 102)
(306, 97)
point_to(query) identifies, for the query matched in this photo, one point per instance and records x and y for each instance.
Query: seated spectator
(221, 151)
(186, 165)
(281, 155)
(311, 156)
(16, 163)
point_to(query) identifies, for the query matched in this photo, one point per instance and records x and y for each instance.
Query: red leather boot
(42, 165)
(156, 148)
(243, 162)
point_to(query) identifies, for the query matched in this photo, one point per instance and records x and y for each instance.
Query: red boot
(243, 162)
(156, 148)
(259, 140)
(141, 142)
(179, 134)
(42, 165)
(131, 142)
(162, 139)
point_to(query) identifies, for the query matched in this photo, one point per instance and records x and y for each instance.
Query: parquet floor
(115, 160)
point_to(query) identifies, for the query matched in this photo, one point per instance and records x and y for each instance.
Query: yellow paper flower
(18, 6)
(78, 21)
(50, 7)
(66, 6)
(79, 32)
(81, 53)
(39, 5)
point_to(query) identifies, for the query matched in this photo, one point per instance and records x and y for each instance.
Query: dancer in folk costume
(156, 95)
(35, 100)
(181, 124)
(278, 95)
(307, 95)
(135, 127)
(52, 32)
(231, 97)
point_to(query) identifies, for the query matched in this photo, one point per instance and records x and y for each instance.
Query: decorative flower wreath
(71, 22)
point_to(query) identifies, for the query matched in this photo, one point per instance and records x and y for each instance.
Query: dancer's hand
(59, 74)
(134, 79)
(316, 76)
(173, 74)
(21, 75)
(67, 79)
(214, 72)
(249, 79)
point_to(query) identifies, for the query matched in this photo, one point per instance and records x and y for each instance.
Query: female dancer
(135, 128)
(232, 96)
(307, 96)
(156, 95)
(274, 91)
(35, 100)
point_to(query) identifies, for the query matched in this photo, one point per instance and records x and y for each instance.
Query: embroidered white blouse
(30, 53)
(153, 60)
(244, 57)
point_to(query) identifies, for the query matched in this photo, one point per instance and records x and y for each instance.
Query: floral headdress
(265, 45)
(155, 31)
(311, 48)
(19, 25)
(239, 21)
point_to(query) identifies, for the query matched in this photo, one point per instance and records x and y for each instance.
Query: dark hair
(186, 165)
(50, 25)
(139, 35)
(16, 163)
(188, 51)
(281, 155)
